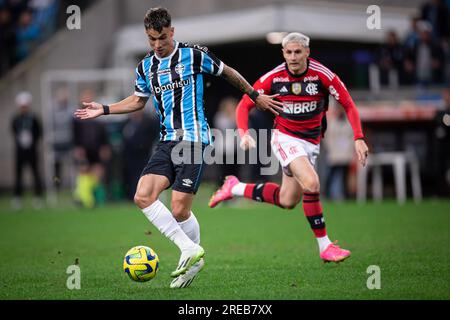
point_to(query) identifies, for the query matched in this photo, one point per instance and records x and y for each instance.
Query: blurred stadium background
(399, 108)
(399, 77)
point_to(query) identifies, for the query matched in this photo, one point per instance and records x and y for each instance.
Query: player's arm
(95, 109)
(242, 112)
(263, 85)
(338, 90)
(263, 101)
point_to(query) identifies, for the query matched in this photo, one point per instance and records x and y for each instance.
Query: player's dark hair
(157, 19)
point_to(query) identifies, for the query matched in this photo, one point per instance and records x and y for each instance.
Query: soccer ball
(141, 263)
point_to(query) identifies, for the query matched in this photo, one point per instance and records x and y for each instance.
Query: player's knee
(144, 201)
(311, 184)
(179, 211)
(288, 203)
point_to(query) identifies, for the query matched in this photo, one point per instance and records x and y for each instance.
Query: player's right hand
(247, 142)
(91, 110)
(268, 103)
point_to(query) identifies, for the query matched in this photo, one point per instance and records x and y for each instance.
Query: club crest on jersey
(297, 88)
(311, 88)
(179, 68)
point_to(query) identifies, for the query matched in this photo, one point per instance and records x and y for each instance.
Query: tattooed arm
(263, 101)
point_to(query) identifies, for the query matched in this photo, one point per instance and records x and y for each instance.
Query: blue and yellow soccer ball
(141, 263)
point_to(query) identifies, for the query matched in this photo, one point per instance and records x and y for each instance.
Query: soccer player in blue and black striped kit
(172, 74)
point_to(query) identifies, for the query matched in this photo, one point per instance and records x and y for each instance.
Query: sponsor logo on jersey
(163, 72)
(179, 68)
(187, 182)
(333, 92)
(280, 79)
(311, 88)
(299, 107)
(284, 89)
(203, 48)
(310, 78)
(296, 87)
(172, 86)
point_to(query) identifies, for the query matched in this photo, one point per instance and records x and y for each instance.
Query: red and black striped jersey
(305, 100)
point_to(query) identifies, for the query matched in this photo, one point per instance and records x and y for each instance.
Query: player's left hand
(269, 103)
(91, 110)
(362, 151)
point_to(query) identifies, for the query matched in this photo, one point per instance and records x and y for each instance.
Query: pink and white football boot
(224, 193)
(333, 253)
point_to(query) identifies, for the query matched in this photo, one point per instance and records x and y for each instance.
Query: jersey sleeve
(337, 89)
(210, 63)
(140, 85)
(246, 104)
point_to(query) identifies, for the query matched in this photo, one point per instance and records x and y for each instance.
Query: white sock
(162, 218)
(323, 243)
(191, 228)
(238, 190)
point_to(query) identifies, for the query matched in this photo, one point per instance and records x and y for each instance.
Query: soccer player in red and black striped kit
(303, 85)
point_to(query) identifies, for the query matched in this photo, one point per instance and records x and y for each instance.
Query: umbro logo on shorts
(187, 182)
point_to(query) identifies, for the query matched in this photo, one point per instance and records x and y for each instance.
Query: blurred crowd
(24, 24)
(96, 160)
(99, 160)
(423, 56)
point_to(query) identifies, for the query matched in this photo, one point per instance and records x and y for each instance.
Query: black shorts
(181, 162)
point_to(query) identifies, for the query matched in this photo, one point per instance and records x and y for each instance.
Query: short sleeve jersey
(175, 83)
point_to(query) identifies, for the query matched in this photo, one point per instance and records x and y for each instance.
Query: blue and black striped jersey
(176, 85)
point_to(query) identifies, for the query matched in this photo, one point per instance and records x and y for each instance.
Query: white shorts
(287, 148)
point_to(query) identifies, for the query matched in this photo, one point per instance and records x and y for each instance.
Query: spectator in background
(446, 49)
(426, 60)
(7, 40)
(45, 13)
(442, 135)
(224, 119)
(391, 57)
(412, 37)
(27, 35)
(140, 133)
(436, 13)
(91, 152)
(62, 134)
(27, 131)
(16, 7)
(339, 153)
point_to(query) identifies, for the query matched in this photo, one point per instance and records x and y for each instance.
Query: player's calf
(180, 211)
(289, 201)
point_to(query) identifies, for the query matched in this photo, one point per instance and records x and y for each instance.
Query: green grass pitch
(253, 251)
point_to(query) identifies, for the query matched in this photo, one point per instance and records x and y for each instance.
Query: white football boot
(184, 280)
(187, 260)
